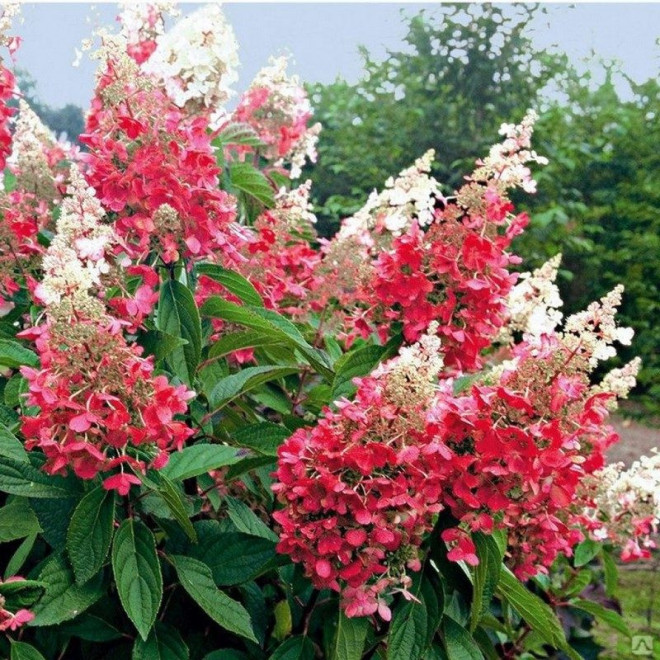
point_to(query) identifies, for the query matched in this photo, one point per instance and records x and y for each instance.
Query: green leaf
(585, 552)
(90, 533)
(17, 520)
(610, 617)
(23, 651)
(283, 621)
(264, 437)
(272, 324)
(11, 446)
(19, 557)
(14, 355)
(163, 488)
(160, 344)
(163, 643)
(64, 599)
(20, 478)
(234, 558)
(352, 365)
(233, 282)
(54, 517)
(21, 593)
(486, 575)
(239, 134)
(611, 574)
(350, 638)
(178, 316)
(407, 636)
(232, 386)
(577, 584)
(538, 614)
(245, 520)
(239, 340)
(90, 628)
(198, 459)
(459, 644)
(197, 580)
(295, 648)
(252, 182)
(137, 573)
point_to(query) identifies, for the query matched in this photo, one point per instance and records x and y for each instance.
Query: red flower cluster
(100, 406)
(7, 85)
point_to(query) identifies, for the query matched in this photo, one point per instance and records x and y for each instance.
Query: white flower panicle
(621, 380)
(592, 332)
(197, 60)
(534, 303)
(142, 21)
(29, 160)
(76, 258)
(506, 163)
(293, 207)
(303, 151)
(411, 195)
(8, 13)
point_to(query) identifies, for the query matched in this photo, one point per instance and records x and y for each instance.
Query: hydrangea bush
(222, 437)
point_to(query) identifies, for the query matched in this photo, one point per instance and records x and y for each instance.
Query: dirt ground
(636, 440)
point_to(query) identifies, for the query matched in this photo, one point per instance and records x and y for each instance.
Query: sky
(323, 39)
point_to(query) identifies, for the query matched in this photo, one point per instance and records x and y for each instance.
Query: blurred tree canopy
(465, 70)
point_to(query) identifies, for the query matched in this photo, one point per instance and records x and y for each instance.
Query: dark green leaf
(160, 344)
(163, 643)
(137, 574)
(247, 521)
(164, 489)
(64, 599)
(264, 437)
(54, 517)
(17, 520)
(610, 617)
(459, 644)
(352, 365)
(178, 316)
(197, 580)
(232, 386)
(408, 631)
(11, 446)
(90, 533)
(198, 459)
(233, 282)
(586, 551)
(14, 355)
(20, 478)
(23, 651)
(611, 574)
(486, 575)
(295, 648)
(239, 340)
(350, 638)
(91, 628)
(19, 557)
(252, 182)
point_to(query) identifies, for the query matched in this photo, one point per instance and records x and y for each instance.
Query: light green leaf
(486, 575)
(610, 617)
(14, 355)
(239, 134)
(264, 437)
(350, 638)
(90, 533)
(233, 282)
(137, 573)
(239, 340)
(178, 316)
(245, 520)
(197, 580)
(11, 446)
(232, 386)
(351, 365)
(252, 182)
(283, 621)
(585, 552)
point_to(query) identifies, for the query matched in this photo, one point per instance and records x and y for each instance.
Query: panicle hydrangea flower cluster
(100, 406)
(277, 107)
(533, 303)
(624, 506)
(7, 79)
(9, 619)
(509, 454)
(142, 23)
(197, 60)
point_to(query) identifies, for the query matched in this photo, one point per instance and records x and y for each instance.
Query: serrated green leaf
(233, 282)
(485, 576)
(264, 437)
(610, 617)
(408, 631)
(252, 182)
(538, 614)
(14, 355)
(160, 344)
(90, 533)
(239, 134)
(198, 459)
(23, 651)
(178, 316)
(11, 446)
(611, 573)
(19, 557)
(350, 638)
(578, 583)
(63, 598)
(352, 365)
(237, 341)
(20, 478)
(295, 648)
(137, 574)
(17, 520)
(459, 644)
(197, 579)
(163, 643)
(234, 385)
(246, 521)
